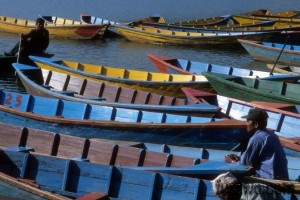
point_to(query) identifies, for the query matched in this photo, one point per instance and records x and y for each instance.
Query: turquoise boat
(277, 88)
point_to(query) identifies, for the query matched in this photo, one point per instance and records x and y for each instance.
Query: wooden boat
(6, 63)
(280, 21)
(269, 52)
(285, 69)
(84, 180)
(12, 188)
(61, 86)
(188, 38)
(88, 19)
(87, 120)
(67, 22)
(81, 149)
(160, 83)
(222, 20)
(69, 31)
(284, 118)
(212, 21)
(38, 142)
(260, 26)
(168, 64)
(267, 13)
(276, 88)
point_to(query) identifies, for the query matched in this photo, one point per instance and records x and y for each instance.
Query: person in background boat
(33, 43)
(264, 151)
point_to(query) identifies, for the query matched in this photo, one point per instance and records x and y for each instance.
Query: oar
(271, 73)
(19, 49)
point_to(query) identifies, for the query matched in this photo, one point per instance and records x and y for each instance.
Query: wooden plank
(38, 106)
(11, 136)
(110, 92)
(182, 161)
(156, 159)
(42, 142)
(101, 113)
(73, 110)
(126, 95)
(129, 156)
(103, 153)
(72, 147)
(126, 115)
(92, 88)
(134, 184)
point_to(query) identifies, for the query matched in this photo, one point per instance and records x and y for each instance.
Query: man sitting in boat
(264, 151)
(33, 43)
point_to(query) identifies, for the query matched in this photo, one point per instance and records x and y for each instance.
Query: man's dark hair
(40, 21)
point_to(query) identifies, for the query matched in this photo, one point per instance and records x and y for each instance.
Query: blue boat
(269, 52)
(97, 121)
(76, 179)
(23, 139)
(85, 180)
(168, 64)
(13, 189)
(184, 161)
(68, 87)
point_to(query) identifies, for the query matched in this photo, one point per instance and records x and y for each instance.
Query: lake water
(118, 52)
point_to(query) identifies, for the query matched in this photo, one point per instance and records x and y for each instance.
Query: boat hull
(18, 26)
(198, 39)
(268, 53)
(153, 82)
(218, 137)
(269, 91)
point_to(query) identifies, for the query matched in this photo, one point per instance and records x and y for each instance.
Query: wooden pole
(271, 73)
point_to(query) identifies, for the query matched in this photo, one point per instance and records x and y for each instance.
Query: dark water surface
(118, 52)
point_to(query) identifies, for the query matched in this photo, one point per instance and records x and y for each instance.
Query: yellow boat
(280, 21)
(154, 35)
(70, 22)
(70, 31)
(155, 82)
(267, 13)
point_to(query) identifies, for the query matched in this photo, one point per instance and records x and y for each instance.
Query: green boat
(276, 88)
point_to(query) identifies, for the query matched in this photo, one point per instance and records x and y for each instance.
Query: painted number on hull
(10, 98)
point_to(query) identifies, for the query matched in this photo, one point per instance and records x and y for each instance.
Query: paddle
(271, 73)
(19, 49)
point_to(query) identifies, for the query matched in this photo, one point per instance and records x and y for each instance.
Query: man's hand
(232, 158)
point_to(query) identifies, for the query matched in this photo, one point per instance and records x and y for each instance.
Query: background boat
(281, 90)
(270, 52)
(152, 35)
(168, 64)
(59, 21)
(284, 69)
(18, 26)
